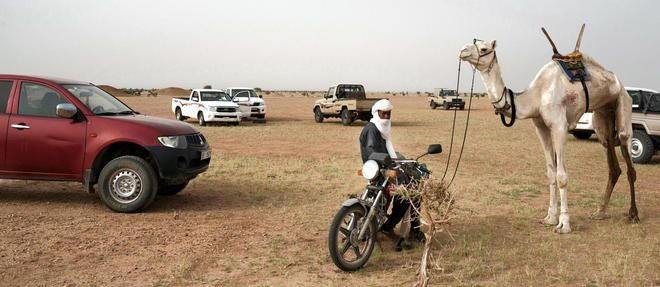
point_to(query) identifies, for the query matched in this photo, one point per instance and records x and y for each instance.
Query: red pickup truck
(57, 129)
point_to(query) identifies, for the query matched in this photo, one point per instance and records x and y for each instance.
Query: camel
(555, 104)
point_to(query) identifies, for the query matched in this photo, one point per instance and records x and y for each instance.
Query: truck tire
(462, 107)
(178, 115)
(445, 105)
(127, 184)
(318, 116)
(433, 105)
(346, 117)
(641, 149)
(200, 118)
(171, 189)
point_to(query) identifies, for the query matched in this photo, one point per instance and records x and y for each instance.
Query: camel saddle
(572, 65)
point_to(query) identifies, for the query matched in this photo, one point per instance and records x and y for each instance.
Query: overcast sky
(312, 44)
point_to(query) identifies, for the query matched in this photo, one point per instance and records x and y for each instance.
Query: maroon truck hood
(163, 126)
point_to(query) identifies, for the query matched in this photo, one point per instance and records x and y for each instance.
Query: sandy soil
(259, 215)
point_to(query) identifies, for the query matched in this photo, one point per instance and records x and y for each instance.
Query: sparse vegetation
(259, 215)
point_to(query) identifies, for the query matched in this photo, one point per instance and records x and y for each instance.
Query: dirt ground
(259, 216)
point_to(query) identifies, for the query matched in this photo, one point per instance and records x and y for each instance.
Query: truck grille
(256, 104)
(226, 110)
(196, 139)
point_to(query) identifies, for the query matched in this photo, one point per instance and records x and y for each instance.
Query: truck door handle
(20, 126)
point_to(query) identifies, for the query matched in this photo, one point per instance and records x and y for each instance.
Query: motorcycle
(353, 230)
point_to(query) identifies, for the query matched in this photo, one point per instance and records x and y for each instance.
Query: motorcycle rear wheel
(346, 251)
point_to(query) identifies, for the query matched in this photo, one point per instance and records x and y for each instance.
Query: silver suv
(645, 121)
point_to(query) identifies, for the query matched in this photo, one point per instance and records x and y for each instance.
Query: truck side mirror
(261, 97)
(66, 111)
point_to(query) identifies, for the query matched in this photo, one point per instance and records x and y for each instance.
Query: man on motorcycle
(376, 137)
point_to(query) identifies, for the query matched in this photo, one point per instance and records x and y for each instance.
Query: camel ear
(493, 44)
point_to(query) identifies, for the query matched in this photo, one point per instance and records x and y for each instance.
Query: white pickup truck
(207, 105)
(250, 105)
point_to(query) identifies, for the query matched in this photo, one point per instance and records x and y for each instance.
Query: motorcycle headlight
(174, 141)
(370, 169)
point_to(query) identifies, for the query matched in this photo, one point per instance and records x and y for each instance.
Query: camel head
(480, 54)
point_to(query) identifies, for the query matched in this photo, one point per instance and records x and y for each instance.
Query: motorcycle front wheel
(346, 250)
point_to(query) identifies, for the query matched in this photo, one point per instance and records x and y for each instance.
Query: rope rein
(467, 122)
(509, 103)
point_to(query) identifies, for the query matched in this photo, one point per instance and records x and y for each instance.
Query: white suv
(585, 128)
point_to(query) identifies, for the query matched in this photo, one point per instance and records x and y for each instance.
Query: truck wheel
(127, 184)
(462, 107)
(179, 116)
(171, 189)
(445, 105)
(434, 105)
(200, 118)
(318, 116)
(641, 149)
(346, 117)
(261, 116)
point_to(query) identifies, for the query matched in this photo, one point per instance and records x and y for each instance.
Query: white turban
(384, 125)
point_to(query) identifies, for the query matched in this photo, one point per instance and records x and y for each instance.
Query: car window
(97, 100)
(39, 100)
(331, 92)
(195, 96)
(5, 90)
(636, 98)
(214, 96)
(244, 93)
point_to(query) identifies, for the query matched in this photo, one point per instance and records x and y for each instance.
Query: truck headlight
(370, 169)
(174, 141)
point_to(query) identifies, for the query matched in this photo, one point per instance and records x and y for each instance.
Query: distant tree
(258, 90)
(208, 87)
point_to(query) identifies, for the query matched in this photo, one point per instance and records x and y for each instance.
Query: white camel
(555, 104)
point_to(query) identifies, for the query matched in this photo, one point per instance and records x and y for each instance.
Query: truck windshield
(244, 93)
(215, 96)
(449, 93)
(97, 100)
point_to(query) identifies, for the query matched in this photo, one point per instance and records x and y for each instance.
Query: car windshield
(97, 100)
(449, 93)
(214, 96)
(244, 93)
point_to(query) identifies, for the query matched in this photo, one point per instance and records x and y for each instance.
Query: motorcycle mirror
(434, 148)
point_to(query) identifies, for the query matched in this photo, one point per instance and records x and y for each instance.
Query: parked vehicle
(646, 128)
(446, 99)
(250, 105)
(645, 122)
(352, 233)
(346, 101)
(56, 129)
(206, 105)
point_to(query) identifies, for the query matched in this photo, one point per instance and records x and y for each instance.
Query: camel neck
(495, 87)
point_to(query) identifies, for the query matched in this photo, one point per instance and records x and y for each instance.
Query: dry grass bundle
(436, 204)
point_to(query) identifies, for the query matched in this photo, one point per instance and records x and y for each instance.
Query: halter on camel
(508, 101)
(572, 64)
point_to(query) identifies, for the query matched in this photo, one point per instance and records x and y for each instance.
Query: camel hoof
(598, 215)
(562, 230)
(632, 215)
(549, 220)
(564, 225)
(634, 219)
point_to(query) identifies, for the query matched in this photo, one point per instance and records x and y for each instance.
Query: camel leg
(604, 126)
(559, 133)
(551, 170)
(624, 127)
